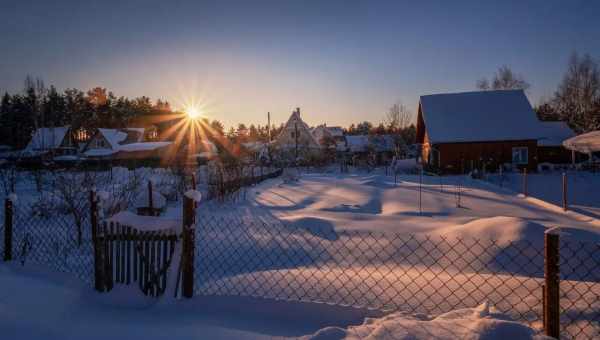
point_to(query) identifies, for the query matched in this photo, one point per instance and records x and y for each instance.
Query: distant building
(296, 135)
(322, 132)
(460, 132)
(128, 143)
(51, 142)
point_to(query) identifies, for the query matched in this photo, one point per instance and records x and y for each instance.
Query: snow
(99, 152)
(47, 138)
(586, 143)
(70, 310)
(113, 137)
(357, 143)
(144, 146)
(481, 116)
(481, 322)
(375, 202)
(545, 188)
(158, 200)
(145, 223)
(194, 195)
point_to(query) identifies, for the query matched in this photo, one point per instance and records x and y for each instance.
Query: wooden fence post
(98, 258)
(8, 226)
(189, 216)
(552, 285)
(525, 182)
(564, 191)
(193, 182)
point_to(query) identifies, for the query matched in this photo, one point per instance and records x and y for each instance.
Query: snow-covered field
(583, 188)
(69, 310)
(356, 239)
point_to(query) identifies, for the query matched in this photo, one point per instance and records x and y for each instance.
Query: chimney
(298, 110)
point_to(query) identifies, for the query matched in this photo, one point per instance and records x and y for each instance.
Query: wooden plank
(135, 256)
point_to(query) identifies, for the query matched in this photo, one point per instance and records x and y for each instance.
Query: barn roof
(480, 116)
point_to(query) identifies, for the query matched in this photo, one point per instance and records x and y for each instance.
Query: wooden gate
(125, 255)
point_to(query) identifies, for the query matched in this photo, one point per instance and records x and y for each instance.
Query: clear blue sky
(340, 61)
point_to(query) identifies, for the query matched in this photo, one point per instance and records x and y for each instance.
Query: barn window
(520, 155)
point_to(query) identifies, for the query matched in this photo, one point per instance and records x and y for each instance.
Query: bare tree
(577, 99)
(503, 79)
(398, 117)
(8, 179)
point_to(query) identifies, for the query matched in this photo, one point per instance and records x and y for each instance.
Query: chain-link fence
(57, 237)
(580, 289)
(405, 272)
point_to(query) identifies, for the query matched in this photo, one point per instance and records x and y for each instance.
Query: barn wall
(554, 155)
(464, 157)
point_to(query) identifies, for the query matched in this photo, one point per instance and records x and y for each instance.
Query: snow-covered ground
(36, 304)
(355, 239)
(583, 188)
(374, 202)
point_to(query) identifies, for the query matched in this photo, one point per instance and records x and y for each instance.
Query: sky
(341, 62)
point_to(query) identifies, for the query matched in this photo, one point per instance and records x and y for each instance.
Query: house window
(293, 134)
(520, 155)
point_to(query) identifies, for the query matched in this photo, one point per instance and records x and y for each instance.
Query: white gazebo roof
(586, 143)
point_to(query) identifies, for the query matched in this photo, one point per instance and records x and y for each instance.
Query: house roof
(587, 142)
(480, 116)
(380, 143)
(113, 137)
(47, 138)
(555, 133)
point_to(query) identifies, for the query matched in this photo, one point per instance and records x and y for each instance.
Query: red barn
(460, 132)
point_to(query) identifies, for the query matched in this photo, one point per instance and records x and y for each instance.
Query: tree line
(576, 100)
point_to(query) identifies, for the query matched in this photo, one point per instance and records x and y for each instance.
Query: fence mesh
(580, 289)
(421, 274)
(262, 257)
(54, 236)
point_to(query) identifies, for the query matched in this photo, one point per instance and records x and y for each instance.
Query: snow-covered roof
(587, 142)
(335, 131)
(47, 138)
(479, 116)
(113, 137)
(144, 146)
(555, 133)
(357, 143)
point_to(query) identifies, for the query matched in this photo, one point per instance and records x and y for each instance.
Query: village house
(123, 144)
(460, 132)
(296, 137)
(50, 142)
(329, 134)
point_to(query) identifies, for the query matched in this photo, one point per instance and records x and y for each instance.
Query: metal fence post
(188, 247)
(552, 285)
(564, 191)
(525, 182)
(98, 277)
(8, 226)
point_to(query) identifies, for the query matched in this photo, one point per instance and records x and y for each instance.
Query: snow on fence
(414, 273)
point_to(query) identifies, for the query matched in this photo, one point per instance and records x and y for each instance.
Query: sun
(193, 112)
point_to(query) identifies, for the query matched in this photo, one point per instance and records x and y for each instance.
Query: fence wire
(580, 289)
(54, 236)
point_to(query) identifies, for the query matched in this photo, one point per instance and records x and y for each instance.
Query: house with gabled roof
(460, 132)
(127, 143)
(51, 141)
(296, 134)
